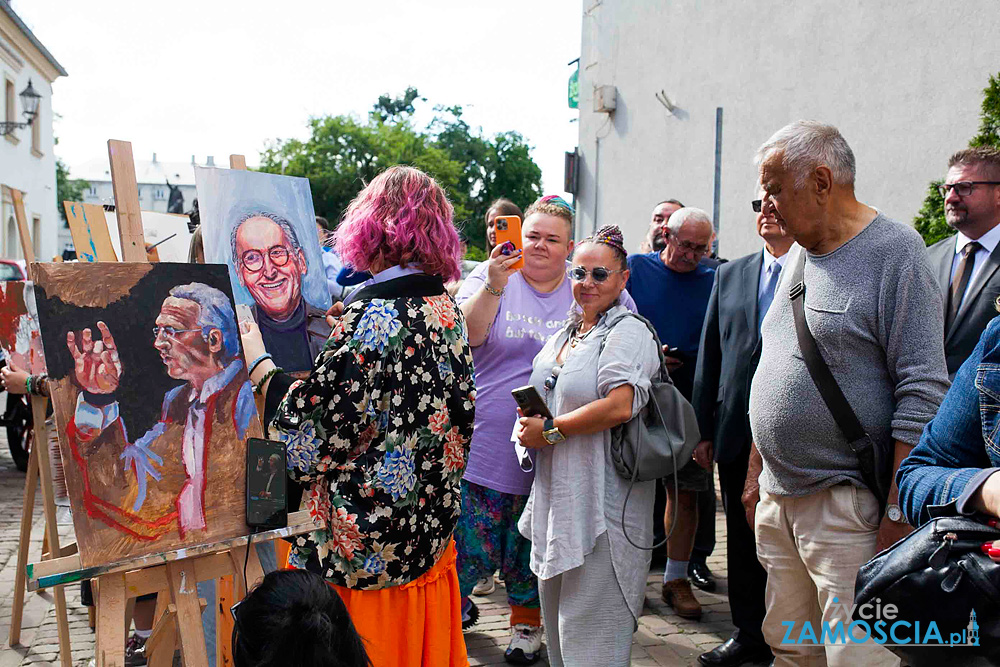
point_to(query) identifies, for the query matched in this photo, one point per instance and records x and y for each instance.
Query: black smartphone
(266, 488)
(530, 402)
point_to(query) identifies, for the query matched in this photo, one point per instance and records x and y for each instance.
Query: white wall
(152, 197)
(34, 175)
(901, 79)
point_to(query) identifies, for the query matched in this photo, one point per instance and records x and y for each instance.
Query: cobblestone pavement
(662, 639)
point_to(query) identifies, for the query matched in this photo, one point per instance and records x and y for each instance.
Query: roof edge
(9, 11)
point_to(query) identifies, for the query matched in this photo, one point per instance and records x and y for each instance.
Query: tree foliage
(67, 189)
(930, 221)
(343, 153)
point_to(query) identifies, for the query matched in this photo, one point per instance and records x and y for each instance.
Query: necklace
(576, 338)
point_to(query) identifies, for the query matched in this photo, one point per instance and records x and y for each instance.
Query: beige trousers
(812, 547)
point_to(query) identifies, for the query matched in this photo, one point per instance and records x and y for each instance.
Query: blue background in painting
(226, 195)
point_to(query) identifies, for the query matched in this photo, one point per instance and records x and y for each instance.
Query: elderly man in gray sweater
(873, 305)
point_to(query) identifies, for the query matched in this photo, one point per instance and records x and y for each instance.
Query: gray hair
(807, 144)
(286, 228)
(216, 312)
(687, 214)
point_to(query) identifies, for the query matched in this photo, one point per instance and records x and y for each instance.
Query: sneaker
(135, 651)
(484, 586)
(525, 645)
(470, 614)
(677, 593)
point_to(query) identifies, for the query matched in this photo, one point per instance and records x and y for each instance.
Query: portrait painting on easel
(152, 401)
(263, 227)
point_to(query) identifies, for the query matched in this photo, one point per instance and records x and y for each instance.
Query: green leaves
(930, 221)
(67, 189)
(344, 153)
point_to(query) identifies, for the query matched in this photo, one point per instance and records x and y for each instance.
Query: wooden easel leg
(184, 594)
(41, 445)
(110, 602)
(161, 643)
(30, 487)
(254, 570)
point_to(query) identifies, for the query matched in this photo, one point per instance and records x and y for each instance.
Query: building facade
(902, 80)
(27, 160)
(154, 177)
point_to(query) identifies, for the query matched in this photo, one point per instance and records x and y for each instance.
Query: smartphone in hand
(509, 230)
(530, 402)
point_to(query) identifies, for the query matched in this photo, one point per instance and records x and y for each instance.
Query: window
(11, 247)
(10, 107)
(36, 236)
(158, 194)
(92, 191)
(36, 134)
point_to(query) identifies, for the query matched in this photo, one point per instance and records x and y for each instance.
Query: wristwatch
(551, 432)
(894, 513)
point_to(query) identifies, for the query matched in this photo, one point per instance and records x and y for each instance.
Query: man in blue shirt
(671, 289)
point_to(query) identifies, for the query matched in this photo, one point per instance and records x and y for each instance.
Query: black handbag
(937, 575)
(874, 464)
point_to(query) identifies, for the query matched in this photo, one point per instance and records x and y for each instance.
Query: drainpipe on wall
(718, 178)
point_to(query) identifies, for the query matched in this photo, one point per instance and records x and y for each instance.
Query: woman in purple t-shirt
(510, 314)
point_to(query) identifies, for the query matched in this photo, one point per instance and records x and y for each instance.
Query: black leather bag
(939, 574)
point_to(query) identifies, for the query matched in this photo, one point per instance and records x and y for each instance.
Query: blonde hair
(551, 205)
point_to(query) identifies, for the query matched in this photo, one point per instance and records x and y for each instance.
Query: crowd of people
(402, 437)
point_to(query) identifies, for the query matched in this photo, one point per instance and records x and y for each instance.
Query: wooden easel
(177, 572)
(38, 469)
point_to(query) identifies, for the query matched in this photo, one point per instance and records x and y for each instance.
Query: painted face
(546, 243)
(180, 342)
(593, 296)
(977, 211)
(269, 267)
(687, 246)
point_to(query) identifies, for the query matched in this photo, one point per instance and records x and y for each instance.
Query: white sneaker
(485, 586)
(525, 645)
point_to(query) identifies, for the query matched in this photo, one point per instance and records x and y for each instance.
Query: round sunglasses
(598, 273)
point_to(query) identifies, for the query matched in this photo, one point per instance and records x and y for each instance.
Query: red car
(17, 413)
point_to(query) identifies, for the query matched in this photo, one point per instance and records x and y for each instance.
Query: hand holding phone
(509, 232)
(530, 402)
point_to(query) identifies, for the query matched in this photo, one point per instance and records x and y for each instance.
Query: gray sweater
(874, 307)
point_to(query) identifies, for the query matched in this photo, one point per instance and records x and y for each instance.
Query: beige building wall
(901, 79)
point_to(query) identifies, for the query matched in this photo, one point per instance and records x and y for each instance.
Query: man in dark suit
(727, 357)
(967, 262)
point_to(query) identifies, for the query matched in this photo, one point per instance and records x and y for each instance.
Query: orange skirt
(417, 624)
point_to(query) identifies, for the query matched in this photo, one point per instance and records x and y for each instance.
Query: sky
(218, 77)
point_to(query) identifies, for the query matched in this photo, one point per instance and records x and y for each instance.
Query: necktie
(960, 281)
(773, 273)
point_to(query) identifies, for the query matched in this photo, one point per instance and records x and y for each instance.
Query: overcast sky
(214, 77)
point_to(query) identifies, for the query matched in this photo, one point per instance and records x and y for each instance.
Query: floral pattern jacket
(379, 435)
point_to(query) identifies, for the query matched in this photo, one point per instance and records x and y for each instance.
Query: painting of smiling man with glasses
(263, 227)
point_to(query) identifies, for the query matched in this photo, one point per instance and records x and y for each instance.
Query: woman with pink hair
(379, 432)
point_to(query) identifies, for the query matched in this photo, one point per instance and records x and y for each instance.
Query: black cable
(247, 559)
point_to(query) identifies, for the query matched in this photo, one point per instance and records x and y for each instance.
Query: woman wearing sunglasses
(594, 374)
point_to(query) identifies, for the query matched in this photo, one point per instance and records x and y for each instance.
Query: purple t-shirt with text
(525, 320)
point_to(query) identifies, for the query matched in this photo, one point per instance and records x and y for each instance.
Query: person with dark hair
(332, 264)
(967, 262)
(654, 241)
(293, 617)
(595, 373)
(501, 206)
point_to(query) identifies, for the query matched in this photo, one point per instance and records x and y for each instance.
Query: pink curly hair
(403, 217)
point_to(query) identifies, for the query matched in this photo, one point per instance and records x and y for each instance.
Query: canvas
(263, 227)
(89, 229)
(20, 339)
(166, 233)
(152, 401)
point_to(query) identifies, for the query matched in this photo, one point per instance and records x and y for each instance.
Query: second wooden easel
(38, 469)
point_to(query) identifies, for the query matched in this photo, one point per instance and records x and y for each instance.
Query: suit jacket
(728, 356)
(978, 307)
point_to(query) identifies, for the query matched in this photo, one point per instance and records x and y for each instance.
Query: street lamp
(29, 104)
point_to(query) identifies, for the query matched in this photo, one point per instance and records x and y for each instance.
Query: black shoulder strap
(827, 385)
(871, 464)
